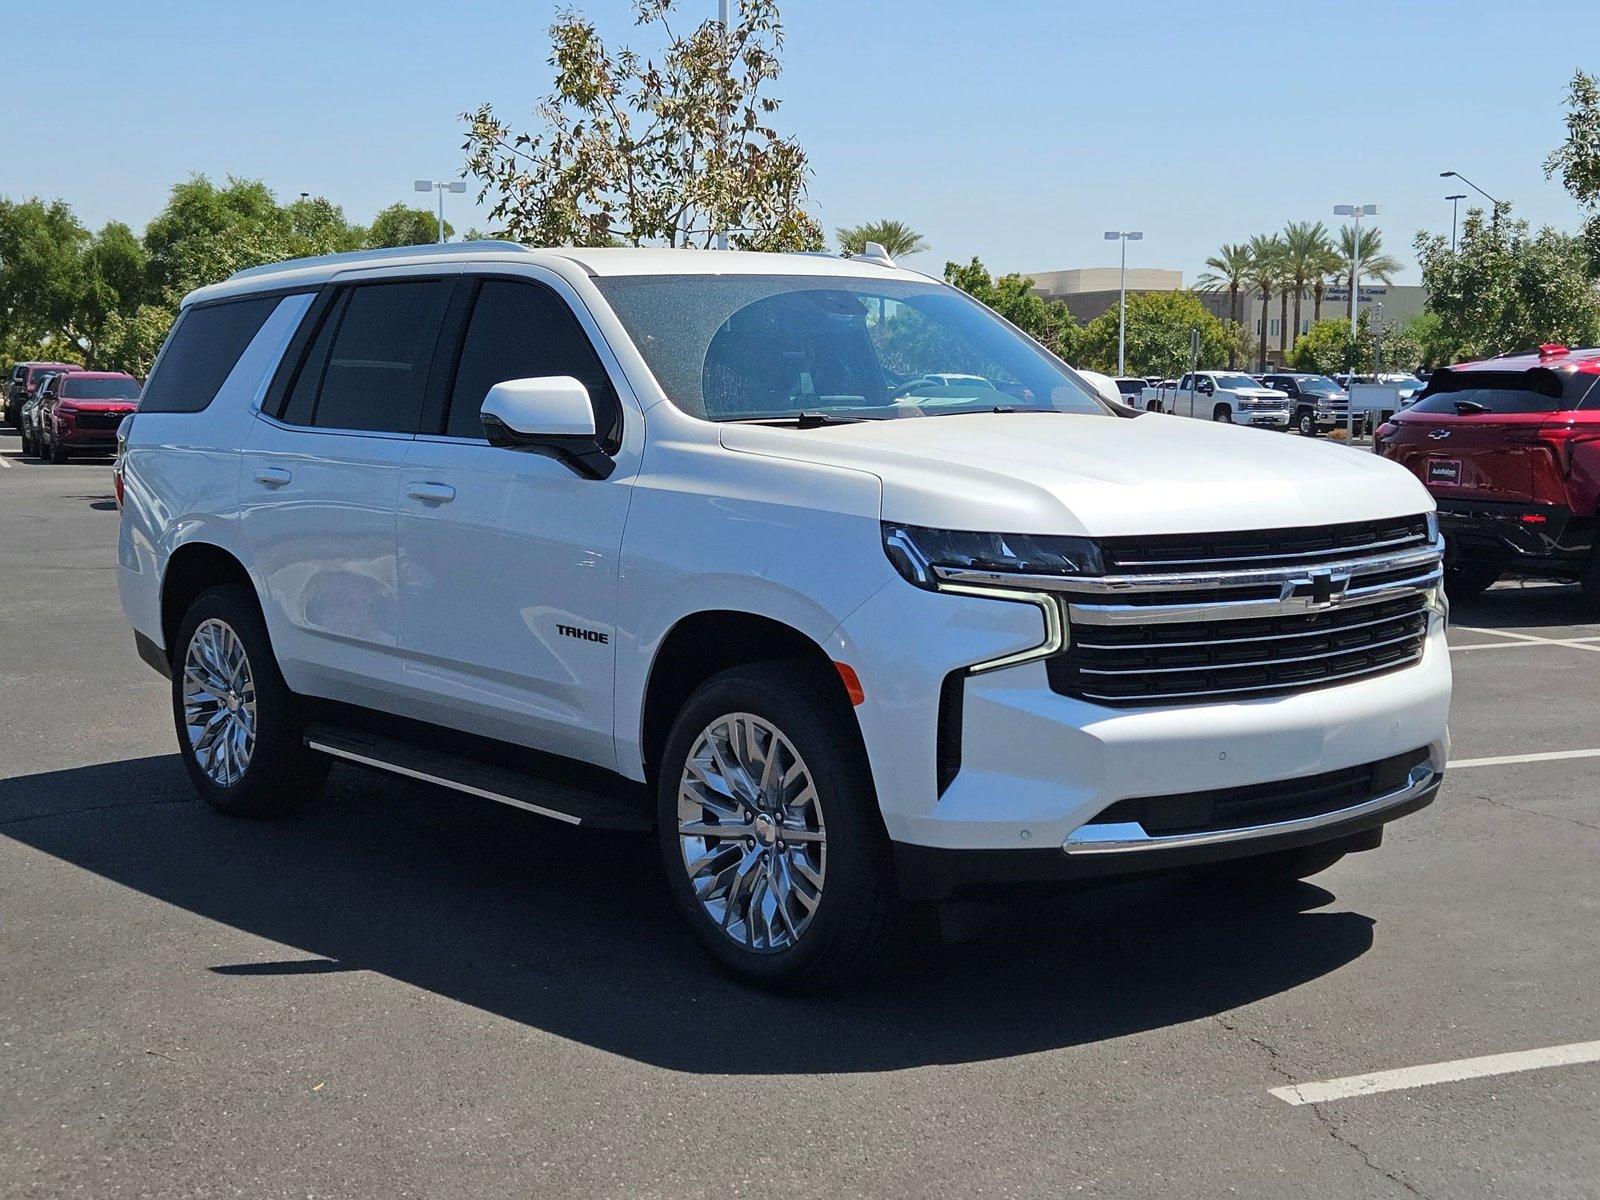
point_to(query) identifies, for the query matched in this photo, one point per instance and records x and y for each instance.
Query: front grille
(1262, 547)
(96, 420)
(1247, 616)
(1227, 659)
(1265, 803)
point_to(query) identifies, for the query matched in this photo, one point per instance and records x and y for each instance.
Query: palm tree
(1364, 260)
(1328, 270)
(898, 238)
(1307, 251)
(1229, 268)
(1265, 275)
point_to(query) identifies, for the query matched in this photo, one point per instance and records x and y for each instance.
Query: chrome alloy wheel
(751, 830)
(219, 702)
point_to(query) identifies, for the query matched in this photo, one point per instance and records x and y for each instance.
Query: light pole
(1357, 211)
(1113, 235)
(722, 121)
(441, 186)
(1455, 204)
(1470, 184)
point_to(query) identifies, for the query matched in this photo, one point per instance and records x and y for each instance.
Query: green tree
(1158, 328)
(42, 245)
(1362, 257)
(318, 226)
(668, 148)
(898, 238)
(113, 280)
(1504, 288)
(401, 225)
(206, 233)
(1049, 322)
(1266, 274)
(1577, 159)
(1228, 270)
(1327, 347)
(1307, 252)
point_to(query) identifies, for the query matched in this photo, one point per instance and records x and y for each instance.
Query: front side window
(522, 330)
(376, 373)
(757, 347)
(100, 389)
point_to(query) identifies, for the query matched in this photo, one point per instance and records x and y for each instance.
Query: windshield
(1235, 381)
(1320, 385)
(770, 347)
(99, 389)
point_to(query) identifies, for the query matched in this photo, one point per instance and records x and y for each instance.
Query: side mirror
(550, 415)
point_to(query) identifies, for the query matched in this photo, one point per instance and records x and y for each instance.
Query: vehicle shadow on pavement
(571, 932)
(1535, 606)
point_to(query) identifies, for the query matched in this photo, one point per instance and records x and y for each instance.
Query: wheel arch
(705, 643)
(192, 568)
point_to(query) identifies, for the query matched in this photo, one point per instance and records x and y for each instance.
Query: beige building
(1090, 291)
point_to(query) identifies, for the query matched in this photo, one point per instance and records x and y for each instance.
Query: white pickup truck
(1225, 396)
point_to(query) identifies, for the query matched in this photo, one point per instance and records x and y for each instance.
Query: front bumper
(1526, 538)
(1026, 768)
(1269, 418)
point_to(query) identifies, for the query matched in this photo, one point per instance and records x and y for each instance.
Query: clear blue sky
(1015, 131)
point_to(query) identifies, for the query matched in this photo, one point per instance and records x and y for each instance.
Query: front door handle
(272, 477)
(431, 493)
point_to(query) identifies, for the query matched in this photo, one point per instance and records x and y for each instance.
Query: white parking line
(1528, 639)
(5, 462)
(1457, 764)
(1445, 1072)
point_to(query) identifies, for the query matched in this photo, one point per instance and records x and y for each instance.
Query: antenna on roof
(873, 252)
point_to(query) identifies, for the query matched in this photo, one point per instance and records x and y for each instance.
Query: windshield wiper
(800, 420)
(1470, 408)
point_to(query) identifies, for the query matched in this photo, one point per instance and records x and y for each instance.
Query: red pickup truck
(1510, 449)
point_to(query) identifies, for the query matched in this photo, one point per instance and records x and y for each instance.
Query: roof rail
(481, 245)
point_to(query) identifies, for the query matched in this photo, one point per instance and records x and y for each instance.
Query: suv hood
(1258, 393)
(1100, 476)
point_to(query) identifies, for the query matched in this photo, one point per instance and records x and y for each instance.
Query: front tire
(1307, 425)
(799, 893)
(1465, 582)
(239, 726)
(1222, 414)
(58, 453)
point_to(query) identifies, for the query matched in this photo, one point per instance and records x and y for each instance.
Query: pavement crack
(1324, 1119)
(1534, 812)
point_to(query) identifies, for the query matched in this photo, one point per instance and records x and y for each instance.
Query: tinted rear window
(1504, 393)
(200, 352)
(99, 389)
(377, 368)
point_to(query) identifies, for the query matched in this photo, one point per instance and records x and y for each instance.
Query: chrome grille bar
(1195, 668)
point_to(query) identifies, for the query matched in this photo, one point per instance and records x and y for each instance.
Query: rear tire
(1465, 582)
(1262, 872)
(239, 726)
(807, 913)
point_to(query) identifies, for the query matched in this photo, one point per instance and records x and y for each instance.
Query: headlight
(916, 551)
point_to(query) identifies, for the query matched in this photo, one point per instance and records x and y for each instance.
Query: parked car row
(61, 409)
(1308, 404)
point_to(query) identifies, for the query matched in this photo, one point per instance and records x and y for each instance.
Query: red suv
(80, 411)
(1510, 449)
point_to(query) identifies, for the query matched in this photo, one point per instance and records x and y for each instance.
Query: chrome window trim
(1129, 837)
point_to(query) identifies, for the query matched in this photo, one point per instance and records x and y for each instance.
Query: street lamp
(441, 186)
(1470, 184)
(1357, 211)
(1113, 235)
(1454, 205)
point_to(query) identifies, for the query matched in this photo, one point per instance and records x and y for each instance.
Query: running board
(573, 804)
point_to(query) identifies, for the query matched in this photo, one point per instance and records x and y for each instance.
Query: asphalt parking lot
(407, 993)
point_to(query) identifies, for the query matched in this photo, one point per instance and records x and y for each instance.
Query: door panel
(490, 579)
(318, 511)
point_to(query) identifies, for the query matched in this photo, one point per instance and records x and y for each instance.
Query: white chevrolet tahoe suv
(851, 592)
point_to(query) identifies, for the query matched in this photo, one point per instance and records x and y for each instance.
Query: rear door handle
(272, 477)
(431, 493)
